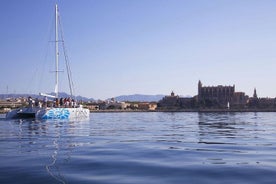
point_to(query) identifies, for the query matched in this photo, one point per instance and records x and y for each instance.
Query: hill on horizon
(139, 98)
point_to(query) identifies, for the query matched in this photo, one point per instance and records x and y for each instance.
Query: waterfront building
(239, 100)
(151, 106)
(176, 102)
(261, 103)
(254, 101)
(170, 101)
(215, 95)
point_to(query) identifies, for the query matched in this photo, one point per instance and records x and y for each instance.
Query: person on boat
(61, 102)
(56, 102)
(30, 101)
(69, 102)
(36, 102)
(73, 103)
(45, 101)
(76, 103)
(65, 102)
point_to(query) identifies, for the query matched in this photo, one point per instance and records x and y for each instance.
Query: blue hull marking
(57, 113)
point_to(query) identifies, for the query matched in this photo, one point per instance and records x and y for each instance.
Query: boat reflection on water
(53, 168)
(53, 141)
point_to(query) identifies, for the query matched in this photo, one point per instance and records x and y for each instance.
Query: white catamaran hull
(49, 113)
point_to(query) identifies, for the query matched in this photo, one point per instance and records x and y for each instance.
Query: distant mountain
(61, 95)
(79, 98)
(139, 98)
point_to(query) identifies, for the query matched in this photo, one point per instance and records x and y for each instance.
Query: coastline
(179, 110)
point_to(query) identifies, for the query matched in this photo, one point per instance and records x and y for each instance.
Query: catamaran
(58, 111)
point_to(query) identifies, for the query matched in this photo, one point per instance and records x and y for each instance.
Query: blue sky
(121, 47)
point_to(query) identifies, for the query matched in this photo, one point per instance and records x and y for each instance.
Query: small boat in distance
(59, 109)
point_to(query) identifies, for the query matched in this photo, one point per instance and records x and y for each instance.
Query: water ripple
(141, 148)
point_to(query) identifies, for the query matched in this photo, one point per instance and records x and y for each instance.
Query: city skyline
(147, 96)
(140, 47)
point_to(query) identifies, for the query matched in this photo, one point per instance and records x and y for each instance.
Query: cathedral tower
(255, 93)
(199, 90)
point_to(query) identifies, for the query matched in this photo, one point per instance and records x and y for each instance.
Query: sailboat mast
(56, 48)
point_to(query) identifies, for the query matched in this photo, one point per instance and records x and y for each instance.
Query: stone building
(175, 102)
(239, 100)
(220, 96)
(147, 106)
(171, 101)
(266, 103)
(254, 101)
(261, 103)
(215, 95)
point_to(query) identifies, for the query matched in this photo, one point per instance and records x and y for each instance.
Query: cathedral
(215, 95)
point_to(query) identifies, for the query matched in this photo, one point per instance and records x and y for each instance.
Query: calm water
(141, 148)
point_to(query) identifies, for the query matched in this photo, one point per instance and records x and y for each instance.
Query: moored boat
(55, 111)
(49, 113)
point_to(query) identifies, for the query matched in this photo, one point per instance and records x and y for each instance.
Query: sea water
(150, 148)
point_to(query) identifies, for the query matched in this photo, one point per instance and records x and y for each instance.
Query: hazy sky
(121, 47)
